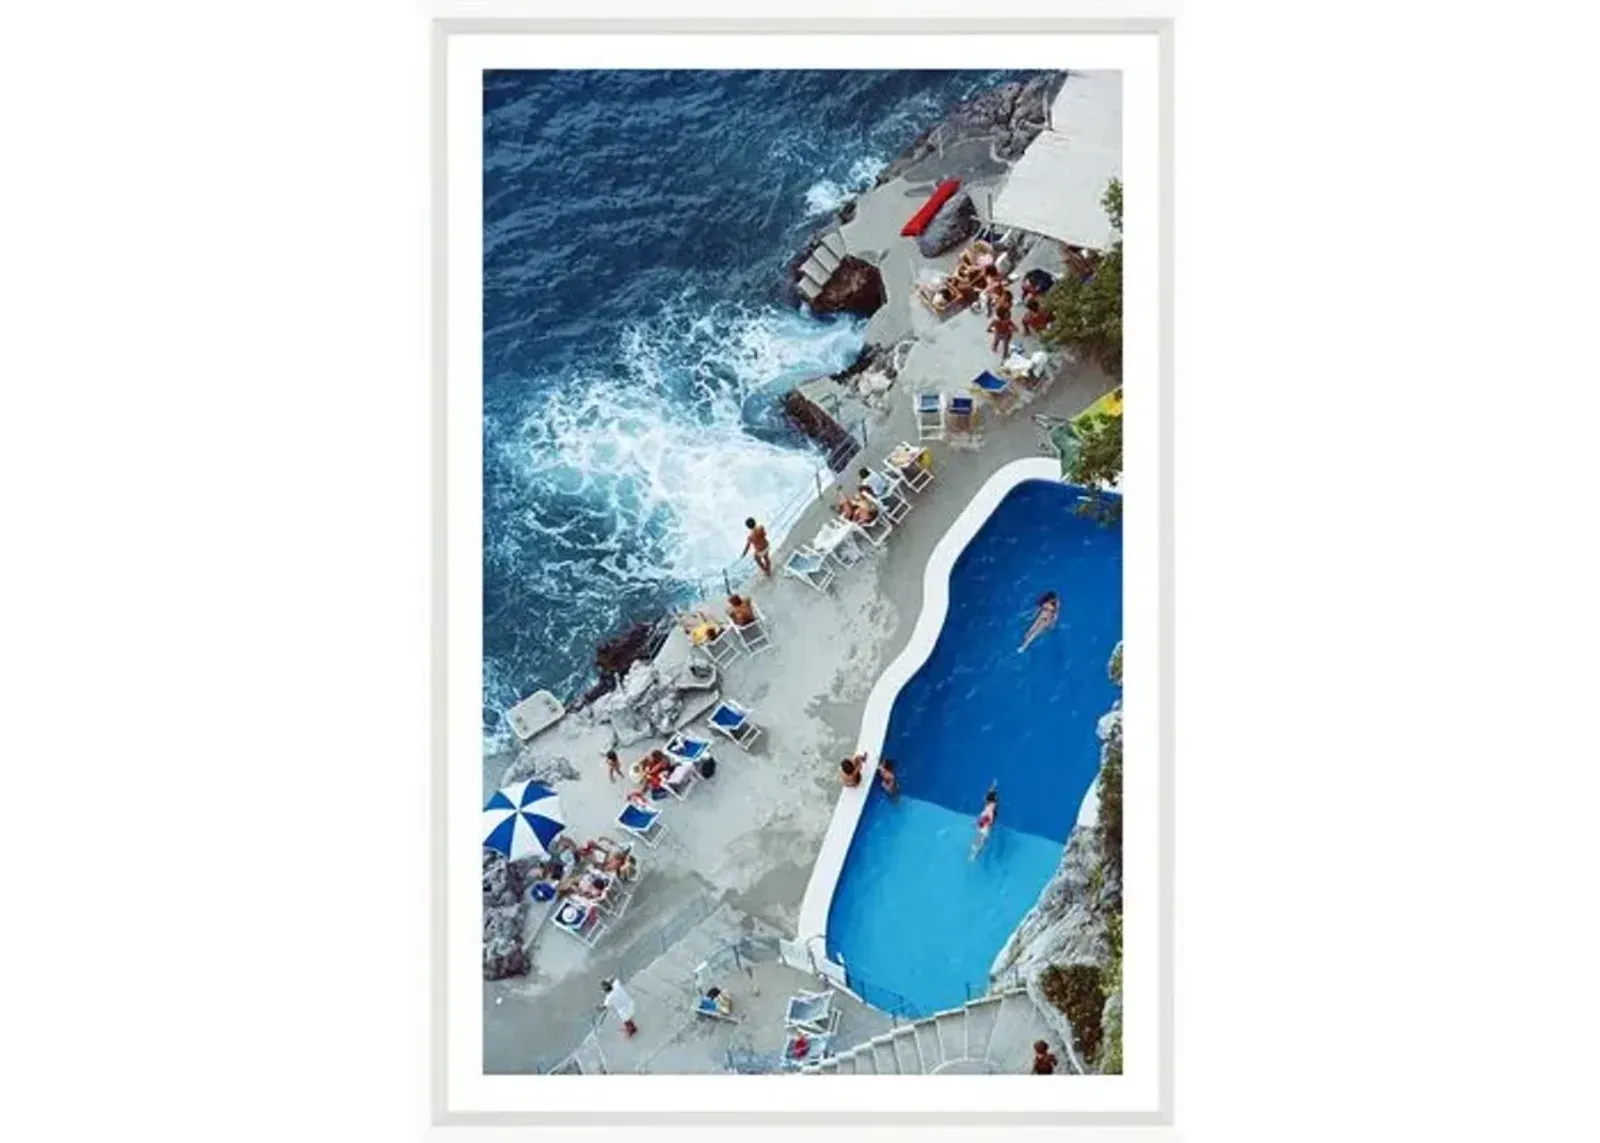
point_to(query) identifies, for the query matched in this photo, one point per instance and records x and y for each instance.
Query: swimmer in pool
(1044, 619)
(991, 810)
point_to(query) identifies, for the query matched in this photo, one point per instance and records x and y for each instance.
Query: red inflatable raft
(919, 221)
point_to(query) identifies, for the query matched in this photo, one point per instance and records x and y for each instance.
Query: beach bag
(707, 766)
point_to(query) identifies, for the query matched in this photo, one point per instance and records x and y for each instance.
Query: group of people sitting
(652, 774)
(702, 627)
(977, 266)
(586, 871)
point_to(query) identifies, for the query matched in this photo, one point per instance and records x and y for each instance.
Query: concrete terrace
(735, 861)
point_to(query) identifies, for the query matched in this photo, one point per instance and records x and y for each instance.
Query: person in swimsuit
(613, 766)
(1049, 610)
(850, 770)
(756, 545)
(887, 779)
(986, 817)
(1002, 327)
(1044, 1060)
(700, 627)
(741, 611)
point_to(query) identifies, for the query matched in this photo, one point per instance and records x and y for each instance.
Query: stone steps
(972, 1033)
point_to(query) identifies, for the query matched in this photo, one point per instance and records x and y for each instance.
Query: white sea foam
(662, 448)
(827, 195)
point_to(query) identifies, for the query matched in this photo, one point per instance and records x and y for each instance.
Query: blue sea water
(636, 230)
(916, 923)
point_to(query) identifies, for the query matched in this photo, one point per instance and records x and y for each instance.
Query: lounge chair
(961, 416)
(929, 408)
(819, 1046)
(581, 920)
(644, 824)
(812, 1012)
(707, 1007)
(877, 532)
(614, 900)
(904, 464)
(687, 749)
(685, 782)
(892, 502)
(809, 567)
(1000, 391)
(724, 648)
(733, 721)
(754, 635)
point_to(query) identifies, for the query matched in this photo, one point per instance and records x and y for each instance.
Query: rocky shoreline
(994, 127)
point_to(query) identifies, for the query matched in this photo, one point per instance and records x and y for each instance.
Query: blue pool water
(916, 923)
(637, 225)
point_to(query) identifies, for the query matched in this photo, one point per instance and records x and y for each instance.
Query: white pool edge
(812, 928)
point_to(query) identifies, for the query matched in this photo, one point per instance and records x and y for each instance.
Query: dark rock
(956, 222)
(846, 212)
(502, 881)
(503, 954)
(614, 657)
(814, 422)
(1011, 115)
(856, 287)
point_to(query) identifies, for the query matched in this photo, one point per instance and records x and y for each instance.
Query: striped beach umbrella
(522, 820)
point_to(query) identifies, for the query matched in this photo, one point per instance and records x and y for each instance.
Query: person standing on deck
(756, 545)
(1044, 1060)
(618, 1000)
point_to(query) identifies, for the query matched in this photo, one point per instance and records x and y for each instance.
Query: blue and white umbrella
(522, 820)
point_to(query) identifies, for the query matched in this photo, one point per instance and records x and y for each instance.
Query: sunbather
(850, 769)
(741, 611)
(996, 293)
(875, 484)
(700, 627)
(858, 509)
(609, 857)
(1049, 610)
(715, 998)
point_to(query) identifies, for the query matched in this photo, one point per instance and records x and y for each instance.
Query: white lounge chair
(733, 721)
(892, 502)
(904, 464)
(644, 824)
(878, 532)
(812, 1012)
(809, 567)
(581, 920)
(615, 899)
(929, 408)
(723, 649)
(754, 635)
(819, 1046)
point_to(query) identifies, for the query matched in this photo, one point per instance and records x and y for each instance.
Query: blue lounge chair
(581, 920)
(997, 389)
(733, 721)
(687, 749)
(646, 825)
(960, 415)
(809, 567)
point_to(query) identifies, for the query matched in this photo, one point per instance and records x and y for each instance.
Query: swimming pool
(915, 923)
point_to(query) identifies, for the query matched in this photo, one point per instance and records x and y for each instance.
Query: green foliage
(1114, 668)
(1075, 992)
(1087, 316)
(1111, 1056)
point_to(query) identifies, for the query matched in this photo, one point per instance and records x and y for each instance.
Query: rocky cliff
(1067, 949)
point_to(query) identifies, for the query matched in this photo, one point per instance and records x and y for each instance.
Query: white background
(213, 590)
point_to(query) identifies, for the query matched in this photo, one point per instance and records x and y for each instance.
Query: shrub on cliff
(1098, 461)
(1075, 991)
(1087, 315)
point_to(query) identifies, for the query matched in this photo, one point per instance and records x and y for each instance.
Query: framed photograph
(802, 609)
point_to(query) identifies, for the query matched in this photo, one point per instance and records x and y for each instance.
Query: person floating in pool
(1049, 610)
(991, 810)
